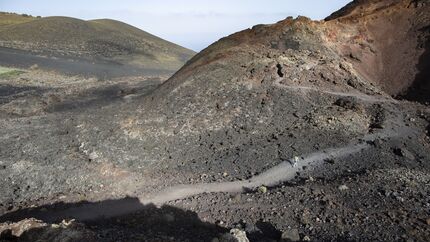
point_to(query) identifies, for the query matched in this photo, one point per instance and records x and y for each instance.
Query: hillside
(385, 42)
(96, 39)
(7, 19)
(299, 130)
(391, 45)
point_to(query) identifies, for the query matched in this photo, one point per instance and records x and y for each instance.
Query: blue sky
(191, 23)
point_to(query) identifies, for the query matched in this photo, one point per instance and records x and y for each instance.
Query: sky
(194, 24)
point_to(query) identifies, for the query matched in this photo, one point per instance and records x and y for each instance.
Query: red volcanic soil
(391, 49)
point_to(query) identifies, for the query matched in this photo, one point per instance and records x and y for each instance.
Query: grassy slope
(104, 38)
(6, 72)
(7, 19)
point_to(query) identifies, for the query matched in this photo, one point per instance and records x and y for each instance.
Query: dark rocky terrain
(296, 131)
(97, 44)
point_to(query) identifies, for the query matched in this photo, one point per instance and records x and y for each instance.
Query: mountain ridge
(100, 38)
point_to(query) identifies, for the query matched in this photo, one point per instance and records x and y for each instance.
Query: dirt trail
(361, 96)
(283, 172)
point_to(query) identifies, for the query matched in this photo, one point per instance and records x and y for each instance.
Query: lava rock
(290, 235)
(404, 153)
(343, 188)
(235, 235)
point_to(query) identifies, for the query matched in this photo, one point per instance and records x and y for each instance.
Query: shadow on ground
(126, 220)
(118, 220)
(52, 100)
(9, 93)
(420, 89)
(102, 96)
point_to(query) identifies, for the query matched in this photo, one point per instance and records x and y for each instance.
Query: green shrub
(9, 72)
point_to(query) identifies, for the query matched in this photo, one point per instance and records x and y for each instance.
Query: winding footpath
(279, 174)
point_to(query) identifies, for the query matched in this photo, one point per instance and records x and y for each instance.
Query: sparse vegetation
(6, 72)
(7, 19)
(104, 38)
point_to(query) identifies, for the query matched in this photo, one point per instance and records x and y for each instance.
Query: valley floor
(102, 69)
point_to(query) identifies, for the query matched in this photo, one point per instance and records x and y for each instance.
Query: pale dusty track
(358, 95)
(279, 174)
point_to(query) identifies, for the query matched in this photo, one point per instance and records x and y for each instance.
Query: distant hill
(103, 39)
